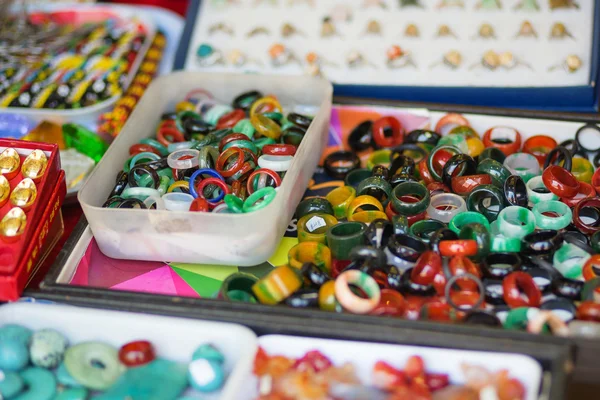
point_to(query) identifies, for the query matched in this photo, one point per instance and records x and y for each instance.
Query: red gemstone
(589, 311)
(134, 354)
(517, 284)
(314, 360)
(427, 267)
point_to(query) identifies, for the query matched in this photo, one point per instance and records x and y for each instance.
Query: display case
(528, 80)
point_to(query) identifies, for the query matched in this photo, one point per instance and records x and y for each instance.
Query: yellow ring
(264, 101)
(358, 202)
(179, 185)
(319, 230)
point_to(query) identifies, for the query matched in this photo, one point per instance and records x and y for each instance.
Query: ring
(349, 300)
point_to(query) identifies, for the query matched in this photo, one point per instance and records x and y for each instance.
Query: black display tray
(559, 356)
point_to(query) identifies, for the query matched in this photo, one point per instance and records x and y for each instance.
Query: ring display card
(503, 43)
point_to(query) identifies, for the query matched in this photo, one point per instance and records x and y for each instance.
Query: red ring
(190, 95)
(585, 189)
(238, 189)
(200, 205)
(506, 148)
(230, 119)
(230, 138)
(226, 155)
(274, 175)
(379, 132)
(584, 228)
(560, 181)
(142, 148)
(434, 187)
(134, 354)
(214, 181)
(516, 282)
(463, 185)
(424, 172)
(427, 267)
(459, 247)
(279, 149)
(165, 131)
(535, 143)
(596, 180)
(451, 119)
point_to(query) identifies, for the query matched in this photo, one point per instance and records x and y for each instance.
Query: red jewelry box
(17, 258)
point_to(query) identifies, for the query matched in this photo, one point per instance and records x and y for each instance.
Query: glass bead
(13, 355)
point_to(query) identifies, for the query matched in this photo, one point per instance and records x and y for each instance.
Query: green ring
(497, 171)
(481, 235)
(234, 203)
(480, 192)
(157, 145)
(544, 222)
(425, 228)
(408, 189)
(468, 217)
(267, 194)
(345, 236)
(524, 217)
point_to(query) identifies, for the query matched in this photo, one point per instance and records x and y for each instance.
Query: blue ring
(207, 171)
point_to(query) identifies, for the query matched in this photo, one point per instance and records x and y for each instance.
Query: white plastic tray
(173, 338)
(364, 355)
(227, 239)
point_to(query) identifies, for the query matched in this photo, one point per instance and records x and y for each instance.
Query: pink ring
(349, 300)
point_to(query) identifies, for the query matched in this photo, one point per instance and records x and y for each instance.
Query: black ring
(410, 287)
(131, 202)
(515, 191)
(494, 292)
(303, 298)
(401, 178)
(379, 232)
(299, 120)
(572, 146)
(153, 174)
(361, 137)
(406, 247)
(453, 164)
(340, 172)
(579, 243)
(399, 151)
(490, 269)
(597, 160)
(402, 164)
(120, 184)
(158, 164)
(113, 200)
(563, 154)
(313, 274)
(422, 136)
(541, 243)
(542, 275)
(239, 102)
(367, 253)
(381, 171)
(567, 288)
(394, 278)
(453, 280)
(482, 318)
(586, 126)
(560, 304)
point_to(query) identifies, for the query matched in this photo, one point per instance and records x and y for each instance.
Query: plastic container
(224, 239)
(364, 355)
(173, 338)
(88, 116)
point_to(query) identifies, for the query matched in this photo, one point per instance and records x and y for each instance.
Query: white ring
(275, 163)
(174, 159)
(537, 183)
(446, 199)
(155, 199)
(222, 209)
(140, 192)
(175, 201)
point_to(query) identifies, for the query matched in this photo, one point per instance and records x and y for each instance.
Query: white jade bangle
(453, 203)
(155, 200)
(175, 201)
(275, 163)
(191, 162)
(139, 192)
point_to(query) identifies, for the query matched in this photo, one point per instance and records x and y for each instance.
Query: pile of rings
(43, 365)
(488, 230)
(209, 156)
